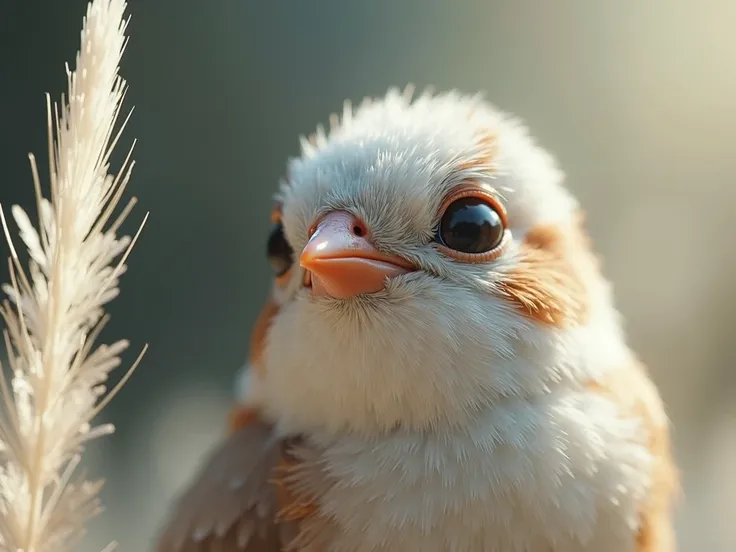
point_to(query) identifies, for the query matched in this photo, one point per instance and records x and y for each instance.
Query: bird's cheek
(550, 283)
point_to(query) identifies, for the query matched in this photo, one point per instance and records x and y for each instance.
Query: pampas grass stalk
(54, 311)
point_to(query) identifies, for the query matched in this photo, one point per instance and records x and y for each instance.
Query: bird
(440, 364)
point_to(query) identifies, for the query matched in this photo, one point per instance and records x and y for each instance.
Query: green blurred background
(636, 99)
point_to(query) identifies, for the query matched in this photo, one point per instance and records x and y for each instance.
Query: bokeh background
(636, 99)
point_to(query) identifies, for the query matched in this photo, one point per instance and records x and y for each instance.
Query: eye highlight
(472, 227)
(279, 252)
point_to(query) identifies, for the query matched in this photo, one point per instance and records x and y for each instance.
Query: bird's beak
(341, 261)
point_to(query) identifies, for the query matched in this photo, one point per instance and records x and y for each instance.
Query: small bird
(440, 365)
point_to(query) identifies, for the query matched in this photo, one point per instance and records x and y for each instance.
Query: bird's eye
(280, 254)
(472, 228)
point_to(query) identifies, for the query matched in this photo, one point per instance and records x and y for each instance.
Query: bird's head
(428, 264)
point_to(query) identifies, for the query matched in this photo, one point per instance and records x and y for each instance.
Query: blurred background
(636, 99)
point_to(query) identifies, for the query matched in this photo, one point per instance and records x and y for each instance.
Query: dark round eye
(471, 225)
(279, 252)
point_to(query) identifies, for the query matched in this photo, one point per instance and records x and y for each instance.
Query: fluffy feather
(467, 406)
(55, 312)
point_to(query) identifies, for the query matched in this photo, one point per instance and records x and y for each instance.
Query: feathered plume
(54, 311)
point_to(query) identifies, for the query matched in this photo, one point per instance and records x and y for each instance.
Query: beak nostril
(358, 230)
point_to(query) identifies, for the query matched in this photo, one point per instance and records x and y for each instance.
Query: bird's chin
(417, 353)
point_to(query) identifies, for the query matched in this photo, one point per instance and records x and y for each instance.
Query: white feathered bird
(440, 365)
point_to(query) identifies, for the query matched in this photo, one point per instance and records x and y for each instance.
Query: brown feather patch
(485, 155)
(302, 481)
(241, 416)
(294, 506)
(258, 336)
(636, 395)
(551, 282)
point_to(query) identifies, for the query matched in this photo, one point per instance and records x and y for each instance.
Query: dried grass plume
(55, 385)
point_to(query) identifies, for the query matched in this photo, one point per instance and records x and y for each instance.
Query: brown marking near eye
(484, 156)
(637, 397)
(258, 336)
(551, 281)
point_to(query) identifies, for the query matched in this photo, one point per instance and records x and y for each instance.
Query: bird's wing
(231, 504)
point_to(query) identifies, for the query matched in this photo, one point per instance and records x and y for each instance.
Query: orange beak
(342, 262)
